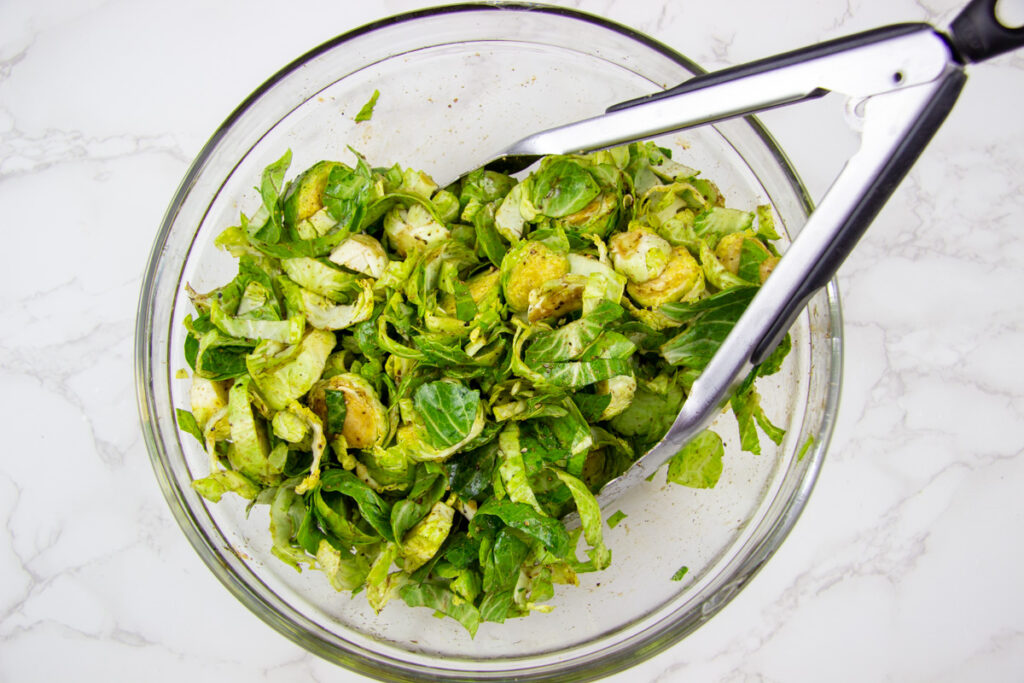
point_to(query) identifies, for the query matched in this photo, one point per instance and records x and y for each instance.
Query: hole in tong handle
(1010, 13)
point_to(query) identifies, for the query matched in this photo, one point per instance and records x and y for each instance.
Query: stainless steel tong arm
(909, 79)
(880, 61)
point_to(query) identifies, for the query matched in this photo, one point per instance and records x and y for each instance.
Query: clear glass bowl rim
(645, 645)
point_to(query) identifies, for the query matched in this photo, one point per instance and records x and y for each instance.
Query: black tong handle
(977, 34)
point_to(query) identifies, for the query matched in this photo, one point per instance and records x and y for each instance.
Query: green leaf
(250, 446)
(462, 551)
(488, 240)
(337, 411)
(437, 596)
(578, 374)
(752, 255)
(572, 339)
(650, 414)
(428, 489)
(215, 485)
(615, 518)
(715, 271)
(272, 181)
(470, 472)
(440, 353)
(271, 185)
(549, 531)
(345, 571)
(590, 519)
(309, 534)
(806, 447)
(774, 433)
(374, 509)
(502, 563)
(743, 407)
(680, 573)
(220, 357)
(321, 278)
(562, 187)
(591, 405)
(495, 606)
(187, 422)
(448, 409)
(715, 223)
(286, 331)
(766, 223)
(333, 514)
(465, 307)
(773, 363)
(286, 514)
(482, 186)
(512, 468)
(699, 463)
(420, 545)
(366, 113)
(711, 320)
(348, 196)
(377, 579)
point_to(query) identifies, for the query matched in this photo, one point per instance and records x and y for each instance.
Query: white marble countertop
(904, 566)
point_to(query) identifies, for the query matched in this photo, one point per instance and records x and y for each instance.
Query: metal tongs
(901, 81)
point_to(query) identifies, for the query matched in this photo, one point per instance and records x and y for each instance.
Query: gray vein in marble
(54, 366)
(290, 668)
(22, 154)
(7, 65)
(32, 579)
(847, 14)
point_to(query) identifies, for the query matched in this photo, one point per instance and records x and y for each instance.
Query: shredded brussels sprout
(420, 382)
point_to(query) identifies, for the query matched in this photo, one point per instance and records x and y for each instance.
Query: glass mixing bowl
(456, 83)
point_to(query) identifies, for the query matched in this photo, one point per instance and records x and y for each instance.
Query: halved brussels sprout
(254, 297)
(318, 444)
(483, 287)
(366, 420)
(639, 254)
(305, 195)
(446, 204)
(362, 254)
(596, 218)
(321, 278)
(207, 398)
(730, 252)
(621, 390)
(562, 186)
(289, 426)
(602, 282)
(717, 222)
(513, 212)
(417, 183)
(682, 278)
(556, 298)
(322, 314)
(661, 203)
(286, 331)
(282, 374)
(527, 266)
(249, 446)
(413, 229)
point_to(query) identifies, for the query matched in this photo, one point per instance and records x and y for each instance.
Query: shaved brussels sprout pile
(421, 381)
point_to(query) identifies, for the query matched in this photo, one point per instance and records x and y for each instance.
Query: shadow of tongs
(901, 80)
